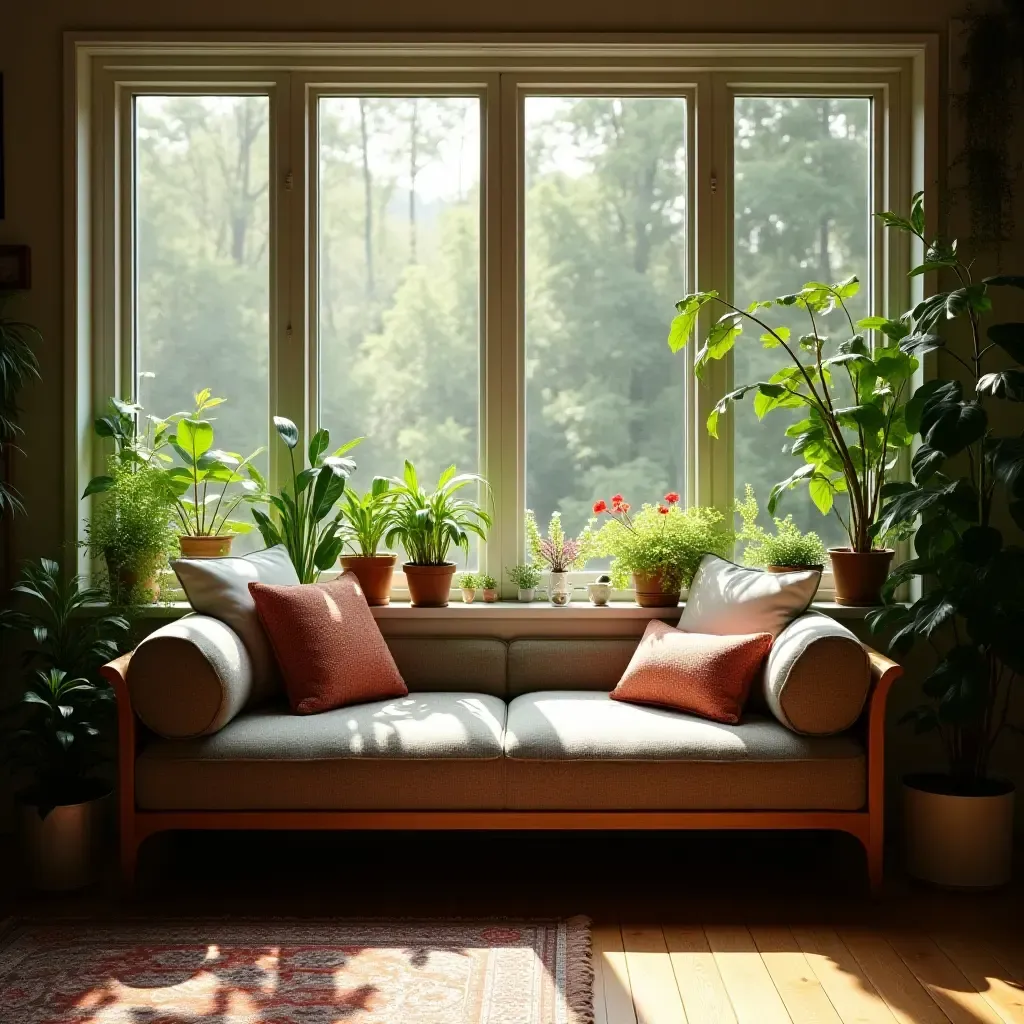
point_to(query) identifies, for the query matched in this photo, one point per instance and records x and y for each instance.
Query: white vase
(559, 588)
(526, 594)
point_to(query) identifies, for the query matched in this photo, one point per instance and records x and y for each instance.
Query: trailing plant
(428, 524)
(304, 523)
(132, 529)
(556, 551)
(524, 576)
(367, 518)
(966, 475)
(486, 582)
(851, 437)
(18, 366)
(661, 539)
(787, 546)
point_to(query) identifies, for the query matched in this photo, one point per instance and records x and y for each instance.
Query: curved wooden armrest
(884, 672)
(116, 673)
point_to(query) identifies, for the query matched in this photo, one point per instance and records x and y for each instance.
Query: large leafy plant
(852, 393)
(429, 523)
(18, 365)
(366, 518)
(965, 475)
(305, 523)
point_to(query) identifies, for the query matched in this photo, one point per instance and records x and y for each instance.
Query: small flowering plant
(788, 546)
(660, 540)
(556, 551)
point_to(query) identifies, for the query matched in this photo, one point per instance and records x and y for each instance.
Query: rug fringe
(579, 970)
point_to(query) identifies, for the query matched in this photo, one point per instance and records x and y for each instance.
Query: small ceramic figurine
(600, 591)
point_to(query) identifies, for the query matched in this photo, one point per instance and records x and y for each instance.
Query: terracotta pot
(859, 575)
(127, 580)
(206, 547)
(374, 573)
(490, 596)
(649, 591)
(793, 568)
(958, 838)
(429, 585)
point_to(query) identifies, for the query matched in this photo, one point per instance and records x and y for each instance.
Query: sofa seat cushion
(426, 751)
(581, 750)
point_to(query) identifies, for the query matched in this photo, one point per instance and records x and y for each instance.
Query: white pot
(526, 593)
(559, 589)
(62, 849)
(964, 842)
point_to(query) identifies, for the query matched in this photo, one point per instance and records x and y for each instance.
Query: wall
(31, 55)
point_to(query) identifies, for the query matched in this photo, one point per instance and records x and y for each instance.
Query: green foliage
(18, 365)
(963, 471)
(787, 546)
(667, 540)
(304, 525)
(847, 447)
(524, 576)
(131, 529)
(429, 523)
(557, 551)
(134, 448)
(367, 518)
(469, 581)
(487, 582)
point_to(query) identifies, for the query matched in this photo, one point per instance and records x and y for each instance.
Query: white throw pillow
(219, 587)
(729, 599)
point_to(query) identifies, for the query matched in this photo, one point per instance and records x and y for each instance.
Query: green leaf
(1006, 280)
(688, 309)
(194, 436)
(894, 220)
(97, 485)
(720, 340)
(1006, 457)
(953, 426)
(917, 213)
(287, 431)
(791, 481)
(919, 344)
(868, 416)
(848, 288)
(1008, 384)
(822, 493)
(925, 463)
(1010, 338)
(318, 445)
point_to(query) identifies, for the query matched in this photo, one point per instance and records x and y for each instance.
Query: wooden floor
(733, 974)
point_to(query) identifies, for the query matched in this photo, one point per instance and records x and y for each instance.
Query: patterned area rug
(274, 972)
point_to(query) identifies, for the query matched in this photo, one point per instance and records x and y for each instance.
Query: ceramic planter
(600, 593)
(650, 592)
(858, 575)
(374, 573)
(205, 547)
(559, 589)
(429, 585)
(62, 850)
(526, 594)
(955, 839)
(127, 581)
(468, 594)
(490, 596)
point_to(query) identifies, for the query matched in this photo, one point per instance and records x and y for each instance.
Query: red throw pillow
(327, 644)
(702, 673)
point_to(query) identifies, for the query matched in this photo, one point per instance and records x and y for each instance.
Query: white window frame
(900, 74)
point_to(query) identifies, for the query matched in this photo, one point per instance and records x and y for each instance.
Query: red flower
(616, 499)
(663, 510)
(600, 506)
(623, 507)
(672, 497)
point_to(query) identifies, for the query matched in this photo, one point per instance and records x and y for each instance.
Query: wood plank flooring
(734, 974)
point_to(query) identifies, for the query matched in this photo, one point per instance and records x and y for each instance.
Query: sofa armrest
(189, 678)
(818, 676)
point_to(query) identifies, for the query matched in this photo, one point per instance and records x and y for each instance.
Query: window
(470, 254)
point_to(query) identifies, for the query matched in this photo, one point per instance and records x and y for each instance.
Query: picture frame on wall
(15, 268)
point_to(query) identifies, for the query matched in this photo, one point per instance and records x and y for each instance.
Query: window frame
(104, 75)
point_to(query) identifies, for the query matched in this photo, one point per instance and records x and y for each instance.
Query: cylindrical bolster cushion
(818, 676)
(190, 677)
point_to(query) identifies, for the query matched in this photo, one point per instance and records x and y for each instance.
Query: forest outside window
(478, 267)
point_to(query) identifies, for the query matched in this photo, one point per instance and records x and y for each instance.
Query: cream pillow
(729, 599)
(219, 587)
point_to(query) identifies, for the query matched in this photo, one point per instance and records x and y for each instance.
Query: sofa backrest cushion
(460, 664)
(557, 664)
(190, 677)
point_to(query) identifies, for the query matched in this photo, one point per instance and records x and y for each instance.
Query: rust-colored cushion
(702, 673)
(327, 644)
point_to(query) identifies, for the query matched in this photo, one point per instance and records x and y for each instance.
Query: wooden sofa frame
(867, 825)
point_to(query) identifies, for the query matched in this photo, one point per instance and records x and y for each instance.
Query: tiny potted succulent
(559, 553)
(525, 577)
(786, 550)
(428, 524)
(489, 585)
(660, 547)
(469, 583)
(367, 518)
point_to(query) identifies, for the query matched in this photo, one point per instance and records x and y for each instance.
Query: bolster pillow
(817, 677)
(190, 677)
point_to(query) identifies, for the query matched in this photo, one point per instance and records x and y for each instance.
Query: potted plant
(61, 732)
(659, 548)
(850, 436)
(366, 519)
(967, 476)
(786, 550)
(200, 484)
(559, 553)
(469, 583)
(314, 538)
(489, 585)
(18, 365)
(525, 578)
(428, 524)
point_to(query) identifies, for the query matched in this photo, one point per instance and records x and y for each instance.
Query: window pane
(802, 212)
(399, 245)
(201, 274)
(605, 257)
